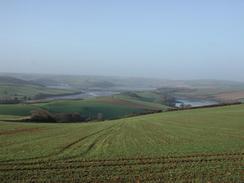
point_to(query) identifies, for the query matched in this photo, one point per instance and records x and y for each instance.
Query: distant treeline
(9, 100)
(184, 108)
(42, 115)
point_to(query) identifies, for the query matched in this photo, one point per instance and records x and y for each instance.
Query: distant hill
(16, 88)
(124, 83)
(179, 88)
(7, 80)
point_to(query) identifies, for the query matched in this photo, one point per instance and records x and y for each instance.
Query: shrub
(41, 115)
(69, 117)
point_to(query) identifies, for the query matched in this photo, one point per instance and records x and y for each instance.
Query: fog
(160, 39)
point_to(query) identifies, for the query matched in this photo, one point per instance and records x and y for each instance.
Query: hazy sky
(174, 39)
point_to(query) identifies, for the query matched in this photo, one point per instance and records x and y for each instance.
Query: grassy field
(200, 145)
(109, 107)
(11, 87)
(153, 98)
(30, 91)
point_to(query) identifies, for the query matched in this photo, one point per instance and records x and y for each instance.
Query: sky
(170, 39)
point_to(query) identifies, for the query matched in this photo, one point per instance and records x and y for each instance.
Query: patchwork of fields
(30, 91)
(109, 107)
(200, 145)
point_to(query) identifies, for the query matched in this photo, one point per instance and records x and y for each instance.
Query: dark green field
(200, 145)
(109, 107)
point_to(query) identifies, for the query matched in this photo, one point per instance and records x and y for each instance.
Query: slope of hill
(7, 80)
(11, 87)
(200, 145)
(32, 85)
(105, 107)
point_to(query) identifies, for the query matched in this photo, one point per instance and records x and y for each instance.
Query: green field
(200, 145)
(109, 107)
(150, 98)
(11, 87)
(30, 91)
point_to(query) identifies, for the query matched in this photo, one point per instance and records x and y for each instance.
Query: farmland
(200, 145)
(11, 87)
(110, 107)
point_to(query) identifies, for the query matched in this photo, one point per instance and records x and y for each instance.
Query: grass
(17, 109)
(10, 117)
(90, 108)
(29, 91)
(197, 145)
(109, 107)
(143, 96)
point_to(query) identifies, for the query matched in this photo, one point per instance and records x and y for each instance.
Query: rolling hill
(11, 87)
(200, 145)
(108, 107)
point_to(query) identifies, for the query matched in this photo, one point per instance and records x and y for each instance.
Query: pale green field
(31, 91)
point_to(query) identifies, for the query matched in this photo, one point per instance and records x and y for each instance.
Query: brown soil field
(112, 100)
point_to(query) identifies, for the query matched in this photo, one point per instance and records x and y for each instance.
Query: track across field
(199, 145)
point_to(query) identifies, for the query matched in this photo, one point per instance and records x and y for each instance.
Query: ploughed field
(200, 145)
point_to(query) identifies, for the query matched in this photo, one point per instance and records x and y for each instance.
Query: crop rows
(218, 167)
